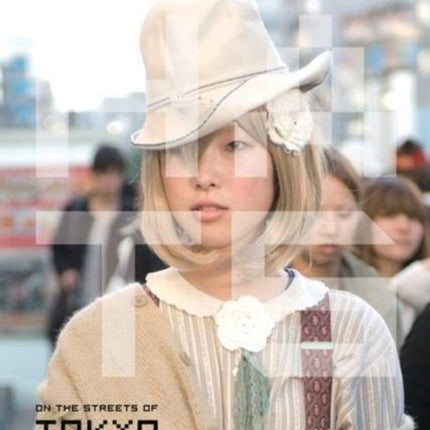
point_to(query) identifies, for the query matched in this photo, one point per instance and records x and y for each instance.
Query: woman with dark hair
(397, 241)
(327, 256)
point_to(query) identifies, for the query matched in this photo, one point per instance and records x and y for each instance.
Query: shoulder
(340, 301)
(351, 265)
(78, 203)
(102, 341)
(360, 279)
(364, 281)
(356, 327)
(359, 332)
(345, 301)
(90, 319)
(348, 309)
(106, 335)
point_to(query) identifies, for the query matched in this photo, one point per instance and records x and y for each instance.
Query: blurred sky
(86, 49)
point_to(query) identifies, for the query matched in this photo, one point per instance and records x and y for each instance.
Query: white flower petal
(243, 323)
(289, 121)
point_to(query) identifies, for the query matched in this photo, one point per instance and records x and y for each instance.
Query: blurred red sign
(23, 194)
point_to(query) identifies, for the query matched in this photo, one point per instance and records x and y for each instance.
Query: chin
(217, 237)
(209, 241)
(325, 260)
(329, 254)
(214, 245)
(223, 244)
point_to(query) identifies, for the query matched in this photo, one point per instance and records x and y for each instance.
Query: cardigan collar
(170, 287)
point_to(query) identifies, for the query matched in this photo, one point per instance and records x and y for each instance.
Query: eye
(346, 214)
(236, 145)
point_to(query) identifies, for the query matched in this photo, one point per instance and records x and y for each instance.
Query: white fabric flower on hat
(244, 323)
(289, 121)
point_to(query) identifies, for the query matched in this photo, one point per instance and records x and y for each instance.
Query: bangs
(188, 155)
(392, 196)
(384, 197)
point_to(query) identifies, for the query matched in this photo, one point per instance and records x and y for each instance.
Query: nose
(328, 224)
(403, 222)
(208, 175)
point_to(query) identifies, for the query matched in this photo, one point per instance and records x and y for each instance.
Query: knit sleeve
(58, 393)
(368, 391)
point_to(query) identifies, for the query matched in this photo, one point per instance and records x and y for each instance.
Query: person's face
(107, 183)
(406, 233)
(230, 192)
(334, 228)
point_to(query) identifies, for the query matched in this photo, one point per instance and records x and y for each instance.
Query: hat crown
(183, 45)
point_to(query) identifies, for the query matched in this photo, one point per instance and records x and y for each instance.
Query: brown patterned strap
(151, 295)
(317, 364)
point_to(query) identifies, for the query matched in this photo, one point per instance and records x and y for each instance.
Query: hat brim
(186, 120)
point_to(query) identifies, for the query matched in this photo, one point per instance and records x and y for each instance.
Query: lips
(206, 211)
(329, 248)
(208, 206)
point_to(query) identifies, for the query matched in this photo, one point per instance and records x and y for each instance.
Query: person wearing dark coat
(83, 250)
(415, 362)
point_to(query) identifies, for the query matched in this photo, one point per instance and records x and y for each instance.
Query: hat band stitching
(167, 142)
(165, 100)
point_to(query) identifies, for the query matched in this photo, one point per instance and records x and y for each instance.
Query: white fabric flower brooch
(244, 323)
(289, 121)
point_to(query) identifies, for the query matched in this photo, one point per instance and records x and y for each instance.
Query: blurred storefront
(44, 159)
(31, 193)
(379, 92)
(391, 40)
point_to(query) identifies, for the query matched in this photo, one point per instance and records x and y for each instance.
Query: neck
(100, 202)
(311, 269)
(218, 280)
(387, 268)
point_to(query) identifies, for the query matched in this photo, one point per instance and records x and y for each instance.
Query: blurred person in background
(84, 246)
(411, 160)
(415, 362)
(412, 163)
(396, 207)
(410, 157)
(328, 256)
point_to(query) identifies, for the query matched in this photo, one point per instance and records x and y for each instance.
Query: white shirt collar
(169, 286)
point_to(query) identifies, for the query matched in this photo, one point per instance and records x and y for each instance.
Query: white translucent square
(315, 31)
(348, 80)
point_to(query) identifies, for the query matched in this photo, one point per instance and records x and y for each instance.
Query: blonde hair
(297, 198)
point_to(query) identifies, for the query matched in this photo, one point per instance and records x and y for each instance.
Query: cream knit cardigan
(137, 345)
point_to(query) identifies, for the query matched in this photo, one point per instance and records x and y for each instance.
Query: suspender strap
(316, 352)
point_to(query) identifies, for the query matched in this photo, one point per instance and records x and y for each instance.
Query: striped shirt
(367, 388)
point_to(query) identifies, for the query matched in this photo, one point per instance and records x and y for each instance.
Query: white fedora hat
(207, 63)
